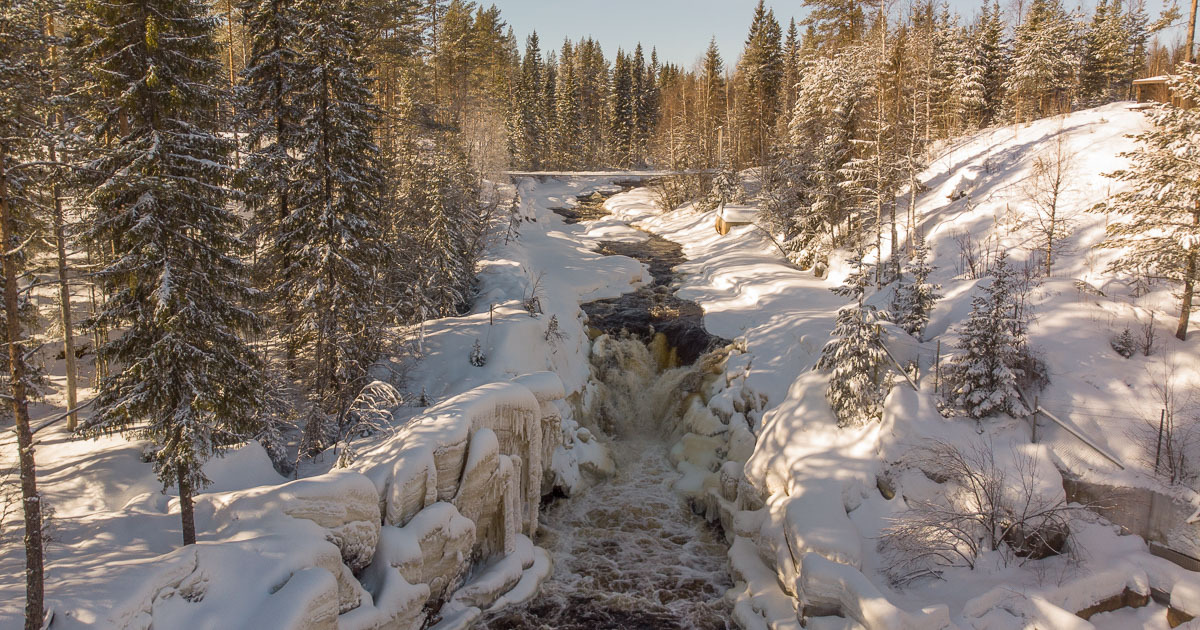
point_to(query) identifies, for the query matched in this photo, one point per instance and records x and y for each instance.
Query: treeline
(921, 68)
(873, 90)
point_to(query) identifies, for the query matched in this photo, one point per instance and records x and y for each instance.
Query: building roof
(1162, 78)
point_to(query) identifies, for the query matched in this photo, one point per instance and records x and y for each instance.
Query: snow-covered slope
(819, 532)
(112, 557)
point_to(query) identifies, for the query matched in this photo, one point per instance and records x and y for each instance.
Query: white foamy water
(628, 552)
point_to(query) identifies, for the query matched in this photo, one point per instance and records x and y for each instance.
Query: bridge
(622, 174)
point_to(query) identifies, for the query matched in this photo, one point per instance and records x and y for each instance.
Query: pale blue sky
(680, 29)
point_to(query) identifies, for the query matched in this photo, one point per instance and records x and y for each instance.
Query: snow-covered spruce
(1159, 224)
(174, 281)
(860, 380)
(993, 352)
(915, 299)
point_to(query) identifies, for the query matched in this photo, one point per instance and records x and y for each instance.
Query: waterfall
(628, 552)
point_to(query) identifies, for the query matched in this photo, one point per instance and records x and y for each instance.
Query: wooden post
(937, 368)
(1162, 418)
(1033, 421)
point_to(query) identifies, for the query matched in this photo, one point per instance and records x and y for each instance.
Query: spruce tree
(1043, 62)
(761, 72)
(985, 373)
(175, 286)
(527, 125)
(622, 112)
(916, 298)
(993, 59)
(326, 253)
(714, 103)
(1156, 221)
(568, 124)
(271, 119)
(859, 380)
(791, 70)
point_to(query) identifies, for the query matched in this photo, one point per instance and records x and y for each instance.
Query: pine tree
(915, 299)
(985, 374)
(174, 283)
(859, 381)
(25, 72)
(1157, 220)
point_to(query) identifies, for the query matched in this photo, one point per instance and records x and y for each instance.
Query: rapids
(628, 552)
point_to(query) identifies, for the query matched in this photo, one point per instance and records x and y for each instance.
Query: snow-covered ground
(114, 532)
(820, 481)
(809, 511)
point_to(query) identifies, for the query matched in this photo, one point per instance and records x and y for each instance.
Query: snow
(818, 482)
(797, 495)
(738, 214)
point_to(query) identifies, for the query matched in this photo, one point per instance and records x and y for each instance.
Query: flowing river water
(628, 552)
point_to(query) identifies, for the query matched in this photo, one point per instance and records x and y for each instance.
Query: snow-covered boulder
(343, 503)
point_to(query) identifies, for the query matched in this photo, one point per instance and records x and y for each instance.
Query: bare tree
(1045, 189)
(1167, 436)
(1148, 334)
(985, 507)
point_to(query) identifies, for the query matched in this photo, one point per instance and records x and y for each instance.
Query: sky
(679, 29)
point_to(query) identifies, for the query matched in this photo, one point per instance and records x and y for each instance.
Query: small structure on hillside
(1158, 90)
(730, 216)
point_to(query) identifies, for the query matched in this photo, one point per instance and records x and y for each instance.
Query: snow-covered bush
(1124, 344)
(478, 358)
(984, 506)
(532, 301)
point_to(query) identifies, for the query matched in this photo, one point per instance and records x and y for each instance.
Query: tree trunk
(186, 514)
(1190, 54)
(237, 152)
(1189, 281)
(1050, 239)
(60, 239)
(64, 299)
(34, 574)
